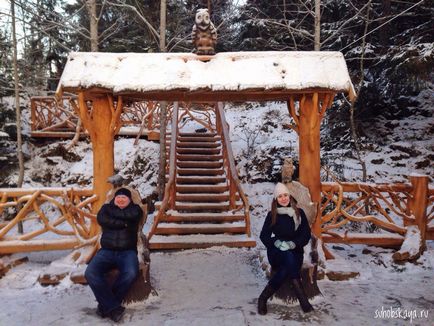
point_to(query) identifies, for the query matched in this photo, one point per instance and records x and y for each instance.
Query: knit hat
(280, 189)
(123, 192)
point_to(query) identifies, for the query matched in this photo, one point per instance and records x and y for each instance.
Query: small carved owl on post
(204, 34)
(287, 170)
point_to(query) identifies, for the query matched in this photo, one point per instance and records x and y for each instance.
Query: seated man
(119, 220)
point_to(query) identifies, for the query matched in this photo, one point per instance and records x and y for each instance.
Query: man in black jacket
(119, 221)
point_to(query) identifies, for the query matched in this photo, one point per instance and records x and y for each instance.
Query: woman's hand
(284, 245)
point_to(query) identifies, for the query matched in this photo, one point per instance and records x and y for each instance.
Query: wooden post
(418, 204)
(102, 125)
(309, 151)
(103, 148)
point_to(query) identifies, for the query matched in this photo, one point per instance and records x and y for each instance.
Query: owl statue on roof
(204, 34)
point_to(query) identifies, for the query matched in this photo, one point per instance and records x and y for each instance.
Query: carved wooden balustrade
(230, 167)
(59, 118)
(347, 206)
(53, 118)
(202, 113)
(49, 218)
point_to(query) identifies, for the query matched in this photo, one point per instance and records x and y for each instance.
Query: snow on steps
(175, 216)
(202, 228)
(200, 241)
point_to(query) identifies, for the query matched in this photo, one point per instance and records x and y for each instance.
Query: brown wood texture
(71, 221)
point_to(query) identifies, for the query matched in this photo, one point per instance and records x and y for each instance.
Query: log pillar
(418, 203)
(309, 120)
(102, 125)
(103, 148)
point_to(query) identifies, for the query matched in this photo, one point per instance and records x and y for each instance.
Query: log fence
(376, 214)
(51, 219)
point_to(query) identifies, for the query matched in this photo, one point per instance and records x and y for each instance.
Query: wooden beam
(207, 95)
(309, 151)
(386, 240)
(103, 148)
(9, 247)
(418, 204)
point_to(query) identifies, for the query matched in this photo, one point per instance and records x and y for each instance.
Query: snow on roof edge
(227, 71)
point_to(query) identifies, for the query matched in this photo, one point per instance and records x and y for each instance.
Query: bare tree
(317, 40)
(91, 10)
(163, 109)
(356, 139)
(17, 108)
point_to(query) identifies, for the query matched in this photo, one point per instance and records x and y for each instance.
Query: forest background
(387, 44)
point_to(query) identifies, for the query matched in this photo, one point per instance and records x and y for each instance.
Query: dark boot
(301, 295)
(117, 314)
(262, 300)
(100, 313)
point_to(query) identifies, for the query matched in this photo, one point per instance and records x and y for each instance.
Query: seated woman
(285, 232)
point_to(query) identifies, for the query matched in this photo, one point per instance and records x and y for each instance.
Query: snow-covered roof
(229, 72)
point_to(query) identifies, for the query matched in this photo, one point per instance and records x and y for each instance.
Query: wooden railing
(53, 118)
(229, 164)
(45, 219)
(59, 118)
(348, 207)
(170, 188)
(199, 112)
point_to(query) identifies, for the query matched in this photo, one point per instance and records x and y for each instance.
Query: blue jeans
(110, 297)
(286, 264)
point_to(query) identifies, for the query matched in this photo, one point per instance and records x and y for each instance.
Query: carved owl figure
(287, 170)
(300, 193)
(204, 34)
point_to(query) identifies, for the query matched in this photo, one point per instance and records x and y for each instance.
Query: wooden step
(188, 189)
(203, 151)
(199, 241)
(203, 197)
(197, 134)
(200, 171)
(204, 228)
(201, 164)
(188, 206)
(175, 216)
(199, 180)
(197, 145)
(186, 157)
(199, 139)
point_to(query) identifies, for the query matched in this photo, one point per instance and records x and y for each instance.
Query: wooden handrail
(358, 186)
(169, 190)
(234, 182)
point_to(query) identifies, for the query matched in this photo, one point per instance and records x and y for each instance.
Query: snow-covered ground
(219, 286)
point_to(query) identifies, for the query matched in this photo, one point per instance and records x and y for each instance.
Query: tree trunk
(163, 110)
(163, 9)
(91, 9)
(17, 110)
(385, 34)
(356, 139)
(317, 41)
(17, 100)
(162, 170)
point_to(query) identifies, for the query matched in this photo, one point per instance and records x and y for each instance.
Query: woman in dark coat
(285, 232)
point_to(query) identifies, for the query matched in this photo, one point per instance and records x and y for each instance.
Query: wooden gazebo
(307, 81)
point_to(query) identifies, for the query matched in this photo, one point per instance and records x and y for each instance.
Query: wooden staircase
(202, 206)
